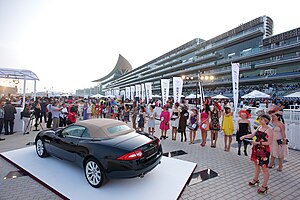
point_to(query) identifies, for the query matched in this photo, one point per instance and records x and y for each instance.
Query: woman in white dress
(175, 120)
(151, 119)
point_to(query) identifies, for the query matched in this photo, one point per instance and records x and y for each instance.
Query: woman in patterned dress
(261, 151)
(215, 124)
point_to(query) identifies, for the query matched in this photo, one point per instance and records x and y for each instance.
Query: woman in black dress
(215, 124)
(184, 115)
(243, 128)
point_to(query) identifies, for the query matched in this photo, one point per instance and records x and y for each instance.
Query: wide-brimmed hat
(217, 105)
(244, 112)
(228, 106)
(265, 116)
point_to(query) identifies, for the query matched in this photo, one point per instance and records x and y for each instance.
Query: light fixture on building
(211, 78)
(16, 81)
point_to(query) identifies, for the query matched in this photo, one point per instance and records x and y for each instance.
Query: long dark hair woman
(184, 116)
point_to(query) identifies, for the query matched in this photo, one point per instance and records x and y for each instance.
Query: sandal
(271, 166)
(254, 182)
(262, 190)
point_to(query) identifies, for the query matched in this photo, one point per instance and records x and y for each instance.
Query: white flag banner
(143, 92)
(138, 91)
(127, 93)
(117, 92)
(148, 87)
(165, 85)
(177, 88)
(235, 84)
(132, 92)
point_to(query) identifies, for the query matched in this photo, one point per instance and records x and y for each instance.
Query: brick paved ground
(232, 183)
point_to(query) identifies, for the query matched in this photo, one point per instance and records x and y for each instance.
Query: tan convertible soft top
(98, 127)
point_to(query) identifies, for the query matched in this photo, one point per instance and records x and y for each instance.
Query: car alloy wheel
(94, 173)
(40, 148)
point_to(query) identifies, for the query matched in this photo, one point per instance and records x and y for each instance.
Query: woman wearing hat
(279, 147)
(164, 124)
(243, 128)
(261, 151)
(227, 126)
(215, 124)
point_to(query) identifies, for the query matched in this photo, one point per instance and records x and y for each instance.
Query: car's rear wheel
(94, 173)
(40, 148)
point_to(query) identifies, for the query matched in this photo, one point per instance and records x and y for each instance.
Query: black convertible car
(105, 148)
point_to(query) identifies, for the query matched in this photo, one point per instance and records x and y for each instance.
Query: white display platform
(165, 182)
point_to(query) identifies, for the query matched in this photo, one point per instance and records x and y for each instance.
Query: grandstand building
(266, 61)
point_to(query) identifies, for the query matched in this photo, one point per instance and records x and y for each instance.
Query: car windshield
(118, 129)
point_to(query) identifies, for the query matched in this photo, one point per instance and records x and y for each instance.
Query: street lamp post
(200, 80)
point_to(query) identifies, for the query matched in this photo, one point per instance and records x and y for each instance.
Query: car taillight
(131, 156)
(156, 140)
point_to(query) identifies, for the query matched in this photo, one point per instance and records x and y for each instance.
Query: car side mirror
(60, 134)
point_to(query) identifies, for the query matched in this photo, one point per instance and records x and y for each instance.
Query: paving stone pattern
(232, 183)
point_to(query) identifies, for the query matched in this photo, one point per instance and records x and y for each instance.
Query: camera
(280, 141)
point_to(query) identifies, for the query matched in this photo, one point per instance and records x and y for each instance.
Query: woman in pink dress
(204, 125)
(279, 147)
(164, 124)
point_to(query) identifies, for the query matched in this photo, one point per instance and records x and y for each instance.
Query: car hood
(128, 141)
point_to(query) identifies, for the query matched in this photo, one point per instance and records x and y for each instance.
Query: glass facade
(264, 59)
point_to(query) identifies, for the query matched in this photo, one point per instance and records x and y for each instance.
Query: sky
(69, 43)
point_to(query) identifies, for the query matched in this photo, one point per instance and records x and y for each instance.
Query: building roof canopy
(122, 67)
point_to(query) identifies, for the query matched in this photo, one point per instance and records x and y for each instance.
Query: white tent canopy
(219, 96)
(110, 96)
(294, 95)
(156, 96)
(255, 94)
(97, 96)
(191, 96)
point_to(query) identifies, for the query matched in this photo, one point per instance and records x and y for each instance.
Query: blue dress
(85, 115)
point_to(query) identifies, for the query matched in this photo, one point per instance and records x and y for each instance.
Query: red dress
(261, 153)
(164, 124)
(72, 117)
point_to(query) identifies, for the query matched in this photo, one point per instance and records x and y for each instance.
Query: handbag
(203, 126)
(280, 141)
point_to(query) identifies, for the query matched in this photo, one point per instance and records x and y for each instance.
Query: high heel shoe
(262, 190)
(254, 182)
(245, 152)
(271, 166)
(239, 152)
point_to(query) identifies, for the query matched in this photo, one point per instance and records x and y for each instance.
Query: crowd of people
(268, 137)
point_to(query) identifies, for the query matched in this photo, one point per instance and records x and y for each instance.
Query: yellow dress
(227, 125)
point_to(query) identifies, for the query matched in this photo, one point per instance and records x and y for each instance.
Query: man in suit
(9, 117)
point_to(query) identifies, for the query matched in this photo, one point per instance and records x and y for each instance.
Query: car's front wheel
(40, 148)
(94, 173)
